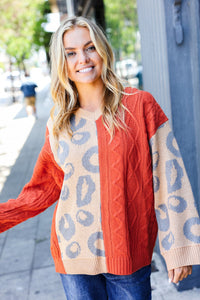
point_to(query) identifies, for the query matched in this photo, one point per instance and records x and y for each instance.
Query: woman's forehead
(76, 36)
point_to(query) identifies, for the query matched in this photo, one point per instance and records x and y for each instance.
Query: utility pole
(70, 8)
(12, 81)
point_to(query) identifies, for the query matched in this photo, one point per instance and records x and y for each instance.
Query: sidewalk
(26, 267)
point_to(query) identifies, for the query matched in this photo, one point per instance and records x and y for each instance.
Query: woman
(111, 161)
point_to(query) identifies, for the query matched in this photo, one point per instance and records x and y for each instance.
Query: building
(90, 8)
(170, 43)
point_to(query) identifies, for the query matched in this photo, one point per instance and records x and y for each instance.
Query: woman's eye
(70, 54)
(91, 49)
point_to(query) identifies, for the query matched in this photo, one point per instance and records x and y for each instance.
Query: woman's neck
(91, 98)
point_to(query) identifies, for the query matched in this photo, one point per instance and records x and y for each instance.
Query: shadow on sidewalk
(22, 170)
(25, 259)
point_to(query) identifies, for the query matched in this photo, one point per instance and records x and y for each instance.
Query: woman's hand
(178, 274)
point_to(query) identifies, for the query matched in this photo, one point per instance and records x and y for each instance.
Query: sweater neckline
(90, 115)
(95, 115)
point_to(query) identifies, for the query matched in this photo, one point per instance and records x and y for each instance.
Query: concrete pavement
(26, 267)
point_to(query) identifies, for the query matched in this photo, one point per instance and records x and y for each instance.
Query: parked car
(12, 81)
(126, 68)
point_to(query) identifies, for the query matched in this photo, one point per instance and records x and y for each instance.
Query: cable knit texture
(125, 203)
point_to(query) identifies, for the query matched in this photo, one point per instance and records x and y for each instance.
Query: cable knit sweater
(112, 193)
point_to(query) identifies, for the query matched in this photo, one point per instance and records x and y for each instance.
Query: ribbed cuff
(184, 256)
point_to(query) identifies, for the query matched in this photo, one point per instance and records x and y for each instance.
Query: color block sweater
(112, 195)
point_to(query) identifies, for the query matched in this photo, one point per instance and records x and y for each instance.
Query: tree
(121, 25)
(41, 38)
(17, 28)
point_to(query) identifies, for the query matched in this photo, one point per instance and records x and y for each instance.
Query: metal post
(151, 17)
(12, 81)
(70, 8)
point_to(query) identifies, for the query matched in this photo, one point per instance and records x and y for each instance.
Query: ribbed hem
(125, 265)
(116, 266)
(119, 265)
(88, 266)
(184, 256)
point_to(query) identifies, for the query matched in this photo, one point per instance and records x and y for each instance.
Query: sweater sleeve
(153, 114)
(37, 195)
(177, 216)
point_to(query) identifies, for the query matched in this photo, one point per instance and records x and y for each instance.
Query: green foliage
(121, 25)
(16, 27)
(20, 24)
(2, 66)
(42, 37)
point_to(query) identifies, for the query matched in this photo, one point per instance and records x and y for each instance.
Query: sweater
(112, 195)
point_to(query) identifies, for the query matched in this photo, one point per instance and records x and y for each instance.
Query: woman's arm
(177, 216)
(40, 193)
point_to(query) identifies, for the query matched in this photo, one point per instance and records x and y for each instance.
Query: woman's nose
(83, 57)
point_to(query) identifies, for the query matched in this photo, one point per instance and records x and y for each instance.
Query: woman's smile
(85, 70)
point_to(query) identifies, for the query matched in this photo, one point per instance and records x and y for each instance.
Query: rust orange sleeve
(153, 114)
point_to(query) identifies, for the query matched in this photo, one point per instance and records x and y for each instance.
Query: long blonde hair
(63, 90)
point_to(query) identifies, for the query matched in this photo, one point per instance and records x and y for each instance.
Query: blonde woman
(111, 162)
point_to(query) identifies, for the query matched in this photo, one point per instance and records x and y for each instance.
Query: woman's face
(84, 64)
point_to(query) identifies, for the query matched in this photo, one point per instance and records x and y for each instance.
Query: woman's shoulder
(133, 93)
(133, 98)
(143, 104)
